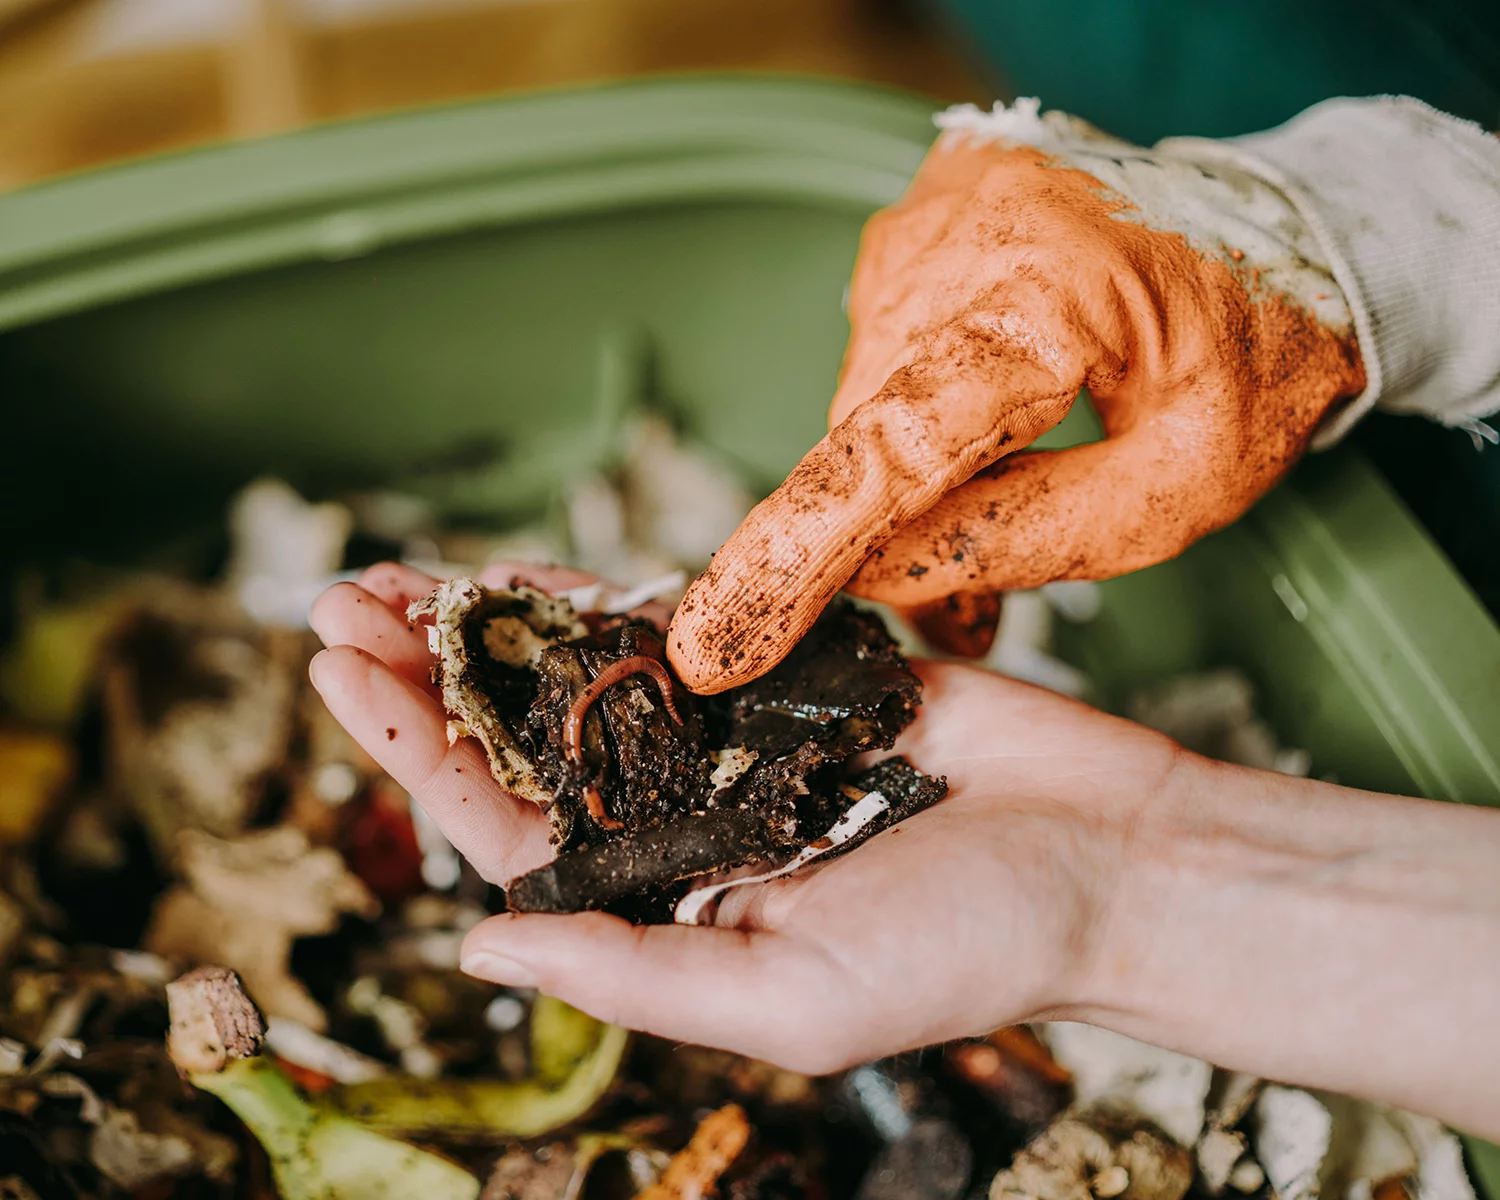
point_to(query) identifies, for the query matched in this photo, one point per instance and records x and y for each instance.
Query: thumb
(756, 993)
(975, 394)
(1090, 512)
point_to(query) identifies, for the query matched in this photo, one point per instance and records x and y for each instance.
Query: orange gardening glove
(1033, 257)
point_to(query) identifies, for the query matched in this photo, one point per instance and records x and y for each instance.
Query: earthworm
(573, 722)
(593, 800)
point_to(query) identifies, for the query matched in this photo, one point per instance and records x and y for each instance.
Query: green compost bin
(468, 301)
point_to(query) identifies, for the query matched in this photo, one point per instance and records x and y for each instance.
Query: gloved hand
(1033, 257)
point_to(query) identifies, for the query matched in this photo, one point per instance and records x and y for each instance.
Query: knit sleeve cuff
(1405, 200)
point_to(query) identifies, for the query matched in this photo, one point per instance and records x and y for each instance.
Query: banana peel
(340, 1145)
(318, 1154)
(576, 1059)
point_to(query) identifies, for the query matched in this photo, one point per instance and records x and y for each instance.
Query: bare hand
(831, 966)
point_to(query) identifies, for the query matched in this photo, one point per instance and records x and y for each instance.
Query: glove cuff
(1405, 202)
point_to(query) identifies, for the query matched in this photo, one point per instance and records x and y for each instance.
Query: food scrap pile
(229, 943)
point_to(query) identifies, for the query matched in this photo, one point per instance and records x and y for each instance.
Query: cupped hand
(986, 909)
(1194, 306)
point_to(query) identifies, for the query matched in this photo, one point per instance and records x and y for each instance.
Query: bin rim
(345, 188)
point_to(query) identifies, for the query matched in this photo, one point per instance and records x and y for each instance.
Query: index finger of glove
(972, 397)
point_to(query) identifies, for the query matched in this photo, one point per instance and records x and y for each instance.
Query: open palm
(982, 911)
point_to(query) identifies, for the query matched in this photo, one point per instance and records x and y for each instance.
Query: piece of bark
(688, 845)
(213, 1021)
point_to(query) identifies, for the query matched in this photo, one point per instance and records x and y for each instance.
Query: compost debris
(173, 797)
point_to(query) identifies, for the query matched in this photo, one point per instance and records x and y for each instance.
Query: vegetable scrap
(215, 1039)
(696, 1168)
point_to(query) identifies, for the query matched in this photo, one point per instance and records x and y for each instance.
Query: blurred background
(85, 82)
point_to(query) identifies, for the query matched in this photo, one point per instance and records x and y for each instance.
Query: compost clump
(651, 789)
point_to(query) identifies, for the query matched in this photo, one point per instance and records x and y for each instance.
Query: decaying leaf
(560, 1170)
(199, 709)
(486, 644)
(1093, 1156)
(244, 901)
(131, 1157)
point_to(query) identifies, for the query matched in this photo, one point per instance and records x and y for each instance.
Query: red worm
(573, 722)
(601, 683)
(594, 802)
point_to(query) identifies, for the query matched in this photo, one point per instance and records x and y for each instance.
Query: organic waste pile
(189, 843)
(648, 790)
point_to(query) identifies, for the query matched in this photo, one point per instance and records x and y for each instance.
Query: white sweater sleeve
(1405, 201)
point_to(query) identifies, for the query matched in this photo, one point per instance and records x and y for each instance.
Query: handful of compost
(660, 800)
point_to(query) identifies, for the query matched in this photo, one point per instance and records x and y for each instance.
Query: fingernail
(315, 666)
(496, 968)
